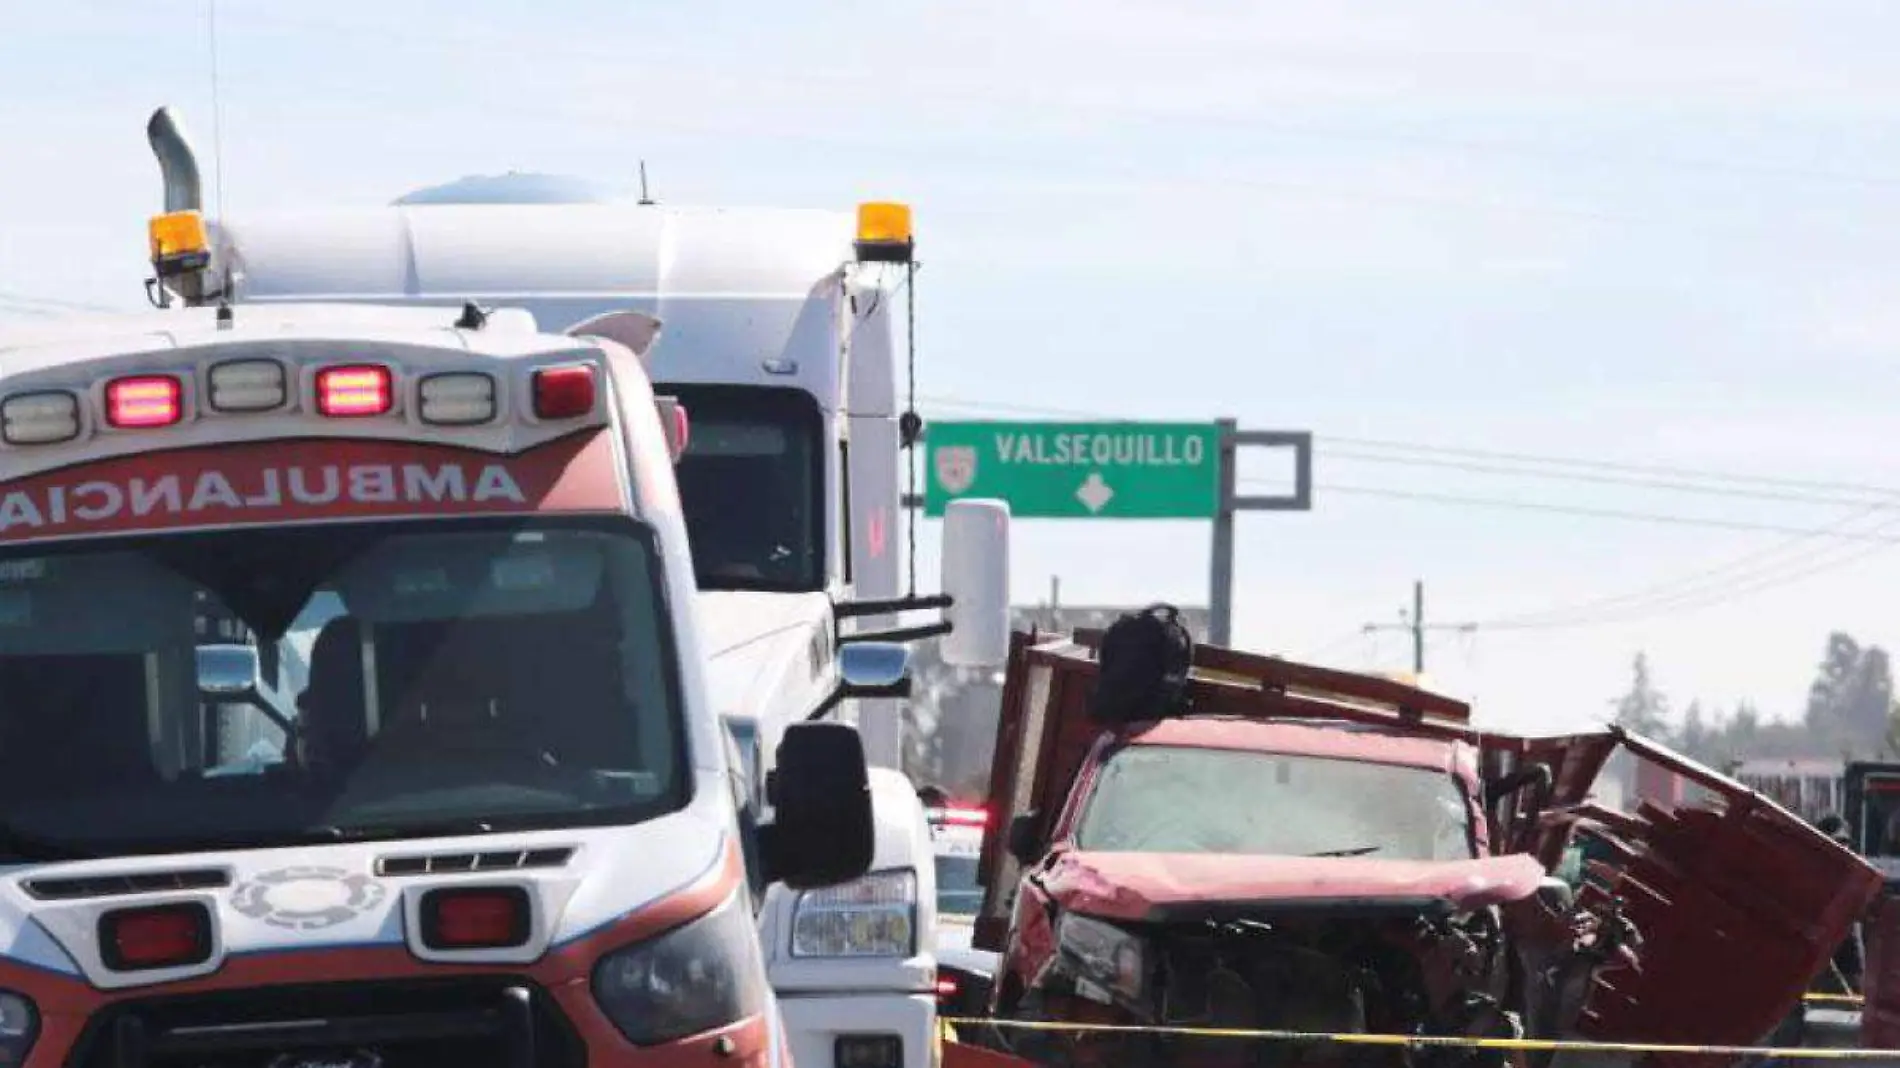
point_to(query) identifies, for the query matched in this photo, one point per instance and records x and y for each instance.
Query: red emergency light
(964, 817)
(564, 392)
(140, 402)
(489, 917)
(354, 390)
(946, 987)
(155, 936)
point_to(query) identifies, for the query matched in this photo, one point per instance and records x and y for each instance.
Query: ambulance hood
(579, 881)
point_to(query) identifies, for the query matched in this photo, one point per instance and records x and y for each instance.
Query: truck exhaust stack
(177, 163)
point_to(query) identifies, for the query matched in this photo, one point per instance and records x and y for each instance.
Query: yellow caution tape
(1534, 1045)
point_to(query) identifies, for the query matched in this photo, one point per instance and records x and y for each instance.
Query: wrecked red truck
(1291, 848)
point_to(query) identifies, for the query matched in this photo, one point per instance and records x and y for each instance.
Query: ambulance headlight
(875, 916)
(39, 418)
(19, 1026)
(703, 976)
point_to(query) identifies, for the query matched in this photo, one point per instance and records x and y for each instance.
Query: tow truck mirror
(1024, 844)
(226, 671)
(976, 576)
(821, 833)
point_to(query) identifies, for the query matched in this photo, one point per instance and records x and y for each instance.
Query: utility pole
(1414, 622)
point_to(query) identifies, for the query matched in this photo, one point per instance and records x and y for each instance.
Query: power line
(1598, 513)
(1634, 480)
(1414, 623)
(1650, 475)
(1723, 576)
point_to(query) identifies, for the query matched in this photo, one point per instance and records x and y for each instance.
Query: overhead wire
(1804, 551)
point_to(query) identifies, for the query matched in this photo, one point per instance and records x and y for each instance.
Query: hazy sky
(1636, 233)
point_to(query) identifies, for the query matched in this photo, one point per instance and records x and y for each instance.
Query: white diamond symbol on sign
(1094, 493)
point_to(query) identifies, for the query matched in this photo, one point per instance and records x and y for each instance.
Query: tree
(1851, 697)
(1696, 736)
(1643, 710)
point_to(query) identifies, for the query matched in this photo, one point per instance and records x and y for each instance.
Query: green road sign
(1077, 470)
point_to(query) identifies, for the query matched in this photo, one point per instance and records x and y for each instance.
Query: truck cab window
(752, 487)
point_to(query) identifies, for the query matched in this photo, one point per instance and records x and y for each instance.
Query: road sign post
(1116, 470)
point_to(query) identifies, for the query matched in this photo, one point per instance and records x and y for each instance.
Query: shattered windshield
(309, 684)
(752, 487)
(1177, 799)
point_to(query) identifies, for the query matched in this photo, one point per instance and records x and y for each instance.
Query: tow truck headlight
(19, 1026)
(1103, 955)
(40, 418)
(705, 975)
(875, 916)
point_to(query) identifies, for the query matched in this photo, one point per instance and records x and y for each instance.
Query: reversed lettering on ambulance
(97, 501)
(290, 481)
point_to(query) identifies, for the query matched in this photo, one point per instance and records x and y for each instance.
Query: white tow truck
(778, 341)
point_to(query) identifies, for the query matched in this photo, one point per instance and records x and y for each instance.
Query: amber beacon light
(884, 234)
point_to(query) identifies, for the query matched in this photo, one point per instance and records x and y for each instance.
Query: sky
(1439, 235)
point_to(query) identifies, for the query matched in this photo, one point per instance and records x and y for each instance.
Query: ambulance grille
(122, 883)
(494, 860)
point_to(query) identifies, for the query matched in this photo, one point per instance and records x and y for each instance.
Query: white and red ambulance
(351, 709)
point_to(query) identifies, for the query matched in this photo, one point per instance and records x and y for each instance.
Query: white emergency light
(248, 386)
(39, 418)
(457, 398)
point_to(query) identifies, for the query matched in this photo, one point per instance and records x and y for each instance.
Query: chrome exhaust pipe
(177, 163)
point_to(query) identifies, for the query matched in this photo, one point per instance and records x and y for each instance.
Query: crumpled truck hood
(1159, 887)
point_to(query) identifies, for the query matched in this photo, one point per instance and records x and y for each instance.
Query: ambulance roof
(45, 345)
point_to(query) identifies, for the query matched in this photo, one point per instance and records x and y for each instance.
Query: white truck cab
(777, 340)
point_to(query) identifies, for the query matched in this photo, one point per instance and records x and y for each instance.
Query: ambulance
(779, 342)
(432, 567)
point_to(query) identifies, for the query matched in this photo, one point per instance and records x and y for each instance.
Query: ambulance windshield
(752, 486)
(320, 683)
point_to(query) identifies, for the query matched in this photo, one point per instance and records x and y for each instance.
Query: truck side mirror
(976, 576)
(228, 671)
(874, 669)
(1024, 844)
(820, 792)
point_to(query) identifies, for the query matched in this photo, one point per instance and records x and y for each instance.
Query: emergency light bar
(353, 390)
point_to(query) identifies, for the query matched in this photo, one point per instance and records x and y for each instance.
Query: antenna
(644, 198)
(217, 110)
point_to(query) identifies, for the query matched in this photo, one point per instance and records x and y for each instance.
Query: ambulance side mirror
(976, 576)
(820, 792)
(674, 422)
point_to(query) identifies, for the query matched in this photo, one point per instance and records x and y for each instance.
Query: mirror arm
(898, 634)
(913, 603)
(845, 691)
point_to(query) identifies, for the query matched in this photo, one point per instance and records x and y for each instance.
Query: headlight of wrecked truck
(19, 1026)
(875, 916)
(1103, 956)
(692, 979)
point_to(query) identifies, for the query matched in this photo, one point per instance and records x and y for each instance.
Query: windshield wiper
(379, 831)
(1356, 851)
